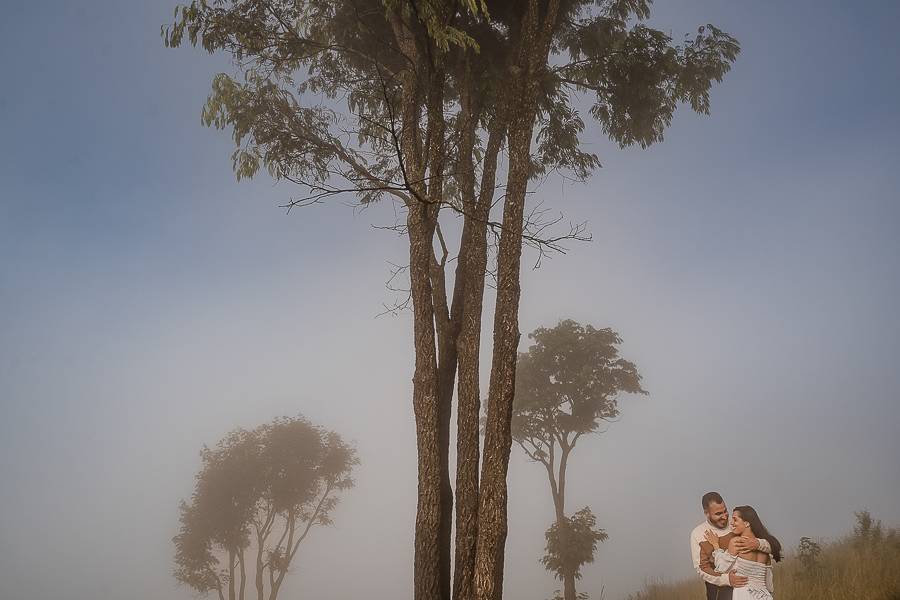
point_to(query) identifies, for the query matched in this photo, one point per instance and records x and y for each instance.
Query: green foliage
(867, 531)
(283, 51)
(437, 16)
(286, 52)
(635, 75)
(571, 543)
(808, 553)
(285, 472)
(568, 382)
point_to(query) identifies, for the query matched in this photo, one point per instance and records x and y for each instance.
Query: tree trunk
(533, 48)
(492, 509)
(569, 585)
(559, 500)
(427, 410)
(471, 271)
(231, 590)
(429, 554)
(243, 575)
(446, 320)
(258, 580)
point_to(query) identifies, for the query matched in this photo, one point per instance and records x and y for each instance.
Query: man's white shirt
(697, 536)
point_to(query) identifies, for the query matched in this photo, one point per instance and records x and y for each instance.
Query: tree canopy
(571, 543)
(567, 384)
(259, 492)
(291, 54)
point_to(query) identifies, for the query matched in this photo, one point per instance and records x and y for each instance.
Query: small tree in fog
(867, 531)
(808, 553)
(571, 543)
(257, 496)
(567, 384)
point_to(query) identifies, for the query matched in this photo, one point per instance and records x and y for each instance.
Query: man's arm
(705, 567)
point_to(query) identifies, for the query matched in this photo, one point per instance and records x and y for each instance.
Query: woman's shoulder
(752, 555)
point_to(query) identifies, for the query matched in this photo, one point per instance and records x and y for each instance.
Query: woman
(756, 566)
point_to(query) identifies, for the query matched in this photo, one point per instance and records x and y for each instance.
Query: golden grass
(861, 566)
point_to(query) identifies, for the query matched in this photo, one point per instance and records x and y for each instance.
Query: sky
(149, 304)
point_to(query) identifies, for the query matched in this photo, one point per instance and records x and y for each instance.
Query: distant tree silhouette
(808, 552)
(567, 384)
(256, 498)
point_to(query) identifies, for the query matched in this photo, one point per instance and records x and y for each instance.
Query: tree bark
(471, 271)
(569, 592)
(427, 411)
(243, 575)
(258, 580)
(533, 48)
(231, 591)
(446, 320)
(429, 555)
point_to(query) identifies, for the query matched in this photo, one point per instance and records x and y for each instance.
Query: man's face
(717, 514)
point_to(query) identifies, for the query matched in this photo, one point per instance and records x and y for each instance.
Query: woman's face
(738, 525)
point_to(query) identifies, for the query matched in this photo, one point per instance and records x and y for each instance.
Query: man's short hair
(709, 498)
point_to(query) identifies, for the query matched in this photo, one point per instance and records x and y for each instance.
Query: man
(719, 586)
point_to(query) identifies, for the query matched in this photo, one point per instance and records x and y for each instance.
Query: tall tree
(567, 384)
(257, 496)
(422, 98)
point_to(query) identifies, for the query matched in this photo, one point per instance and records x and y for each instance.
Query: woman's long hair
(748, 513)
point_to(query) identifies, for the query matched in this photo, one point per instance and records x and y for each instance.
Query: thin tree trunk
(492, 508)
(471, 271)
(569, 585)
(427, 411)
(446, 320)
(260, 591)
(231, 590)
(427, 561)
(533, 48)
(447, 361)
(569, 592)
(243, 574)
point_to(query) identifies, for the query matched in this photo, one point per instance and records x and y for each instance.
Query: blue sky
(149, 304)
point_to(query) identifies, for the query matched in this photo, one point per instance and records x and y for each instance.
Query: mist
(150, 304)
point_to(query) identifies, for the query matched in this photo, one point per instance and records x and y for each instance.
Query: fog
(149, 304)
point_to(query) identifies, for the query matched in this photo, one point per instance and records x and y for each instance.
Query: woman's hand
(744, 545)
(712, 538)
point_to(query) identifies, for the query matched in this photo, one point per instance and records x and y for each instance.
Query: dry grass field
(864, 565)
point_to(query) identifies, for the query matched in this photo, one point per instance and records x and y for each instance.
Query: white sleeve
(723, 561)
(695, 552)
(770, 581)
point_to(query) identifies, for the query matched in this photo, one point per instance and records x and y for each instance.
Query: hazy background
(149, 304)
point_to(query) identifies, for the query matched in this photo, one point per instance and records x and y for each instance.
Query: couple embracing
(734, 559)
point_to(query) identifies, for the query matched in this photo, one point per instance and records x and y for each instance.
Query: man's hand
(736, 580)
(743, 544)
(712, 538)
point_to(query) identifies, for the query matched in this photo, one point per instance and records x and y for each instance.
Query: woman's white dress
(759, 576)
